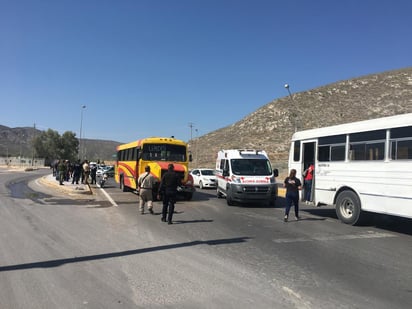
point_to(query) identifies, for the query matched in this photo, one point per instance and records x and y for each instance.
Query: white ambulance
(245, 176)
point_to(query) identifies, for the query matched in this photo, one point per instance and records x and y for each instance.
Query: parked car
(204, 178)
(109, 170)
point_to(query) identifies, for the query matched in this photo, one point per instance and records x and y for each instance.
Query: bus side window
(324, 153)
(401, 143)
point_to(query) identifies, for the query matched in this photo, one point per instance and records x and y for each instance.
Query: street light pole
(290, 94)
(295, 116)
(196, 152)
(81, 125)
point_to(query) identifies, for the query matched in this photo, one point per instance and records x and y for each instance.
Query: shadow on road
(200, 195)
(321, 212)
(390, 223)
(384, 222)
(60, 262)
(192, 221)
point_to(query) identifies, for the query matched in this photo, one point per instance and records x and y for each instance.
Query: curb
(281, 192)
(67, 187)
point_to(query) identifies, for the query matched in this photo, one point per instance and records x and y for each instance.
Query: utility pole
(196, 147)
(191, 125)
(81, 124)
(34, 136)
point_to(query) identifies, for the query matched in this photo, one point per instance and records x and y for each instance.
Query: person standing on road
(145, 184)
(62, 171)
(308, 174)
(168, 189)
(93, 173)
(77, 170)
(86, 172)
(292, 185)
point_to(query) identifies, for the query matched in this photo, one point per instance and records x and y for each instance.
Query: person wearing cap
(168, 189)
(145, 184)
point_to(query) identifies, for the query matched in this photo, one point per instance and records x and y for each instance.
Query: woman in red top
(308, 182)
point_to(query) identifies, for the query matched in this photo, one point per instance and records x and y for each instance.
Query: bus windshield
(251, 167)
(164, 152)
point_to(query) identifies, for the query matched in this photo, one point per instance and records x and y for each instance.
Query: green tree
(69, 146)
(50, 145)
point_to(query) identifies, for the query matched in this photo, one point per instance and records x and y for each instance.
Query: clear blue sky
(149, 68)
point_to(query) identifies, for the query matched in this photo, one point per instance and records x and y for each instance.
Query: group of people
(64, 170)
(170, 182)
(293, 185)
(167, 191)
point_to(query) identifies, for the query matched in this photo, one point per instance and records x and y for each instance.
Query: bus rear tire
(348, 208)
(122, 186)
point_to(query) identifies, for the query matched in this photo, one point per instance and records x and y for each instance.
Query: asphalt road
(61, 249)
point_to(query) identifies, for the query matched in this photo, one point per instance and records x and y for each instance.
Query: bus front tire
(348, 208)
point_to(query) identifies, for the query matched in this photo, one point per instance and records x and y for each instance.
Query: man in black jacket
(168, 189)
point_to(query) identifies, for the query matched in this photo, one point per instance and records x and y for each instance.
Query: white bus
(359, 166)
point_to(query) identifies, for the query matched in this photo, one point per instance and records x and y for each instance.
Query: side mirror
(190, 158)
(225, 173)
(276, 172)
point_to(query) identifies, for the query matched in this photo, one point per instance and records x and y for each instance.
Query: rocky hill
(272, 126)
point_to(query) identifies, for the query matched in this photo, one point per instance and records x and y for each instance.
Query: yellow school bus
(158, 153)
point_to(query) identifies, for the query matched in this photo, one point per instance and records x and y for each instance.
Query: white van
(245, 175)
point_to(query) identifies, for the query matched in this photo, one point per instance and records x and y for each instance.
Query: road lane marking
(108, 197)
(368, 235)
(296, 298)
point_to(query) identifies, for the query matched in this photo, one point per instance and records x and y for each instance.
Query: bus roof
(359, 126)
(153, 140)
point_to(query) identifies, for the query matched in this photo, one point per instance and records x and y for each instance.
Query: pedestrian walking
(292, 185)
(145, 184)
(168, 189)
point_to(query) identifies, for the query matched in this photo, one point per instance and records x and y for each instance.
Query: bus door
(308, 158)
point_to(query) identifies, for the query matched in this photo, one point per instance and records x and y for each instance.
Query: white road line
(108, 197)
(296, 298)
(335, 237)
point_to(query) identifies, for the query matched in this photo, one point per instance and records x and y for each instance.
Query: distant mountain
(18, 142)
(272, 126)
